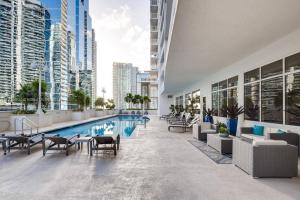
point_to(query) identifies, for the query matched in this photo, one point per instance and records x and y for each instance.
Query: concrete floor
(154, 165)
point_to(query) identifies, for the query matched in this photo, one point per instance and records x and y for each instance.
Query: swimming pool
(123, 125)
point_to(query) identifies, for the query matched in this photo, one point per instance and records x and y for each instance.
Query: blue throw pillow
(279, 131)
(258, 130)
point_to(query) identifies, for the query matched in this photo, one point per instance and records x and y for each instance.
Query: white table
(81, 140)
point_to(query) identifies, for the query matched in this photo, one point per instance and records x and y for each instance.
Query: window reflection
(251, 102)
(252, 76)
(292, 63)
(215, 103)
(292, 99)
(222, 103)
(272, 100)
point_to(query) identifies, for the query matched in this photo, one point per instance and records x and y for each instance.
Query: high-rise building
(124, 82)
(94, 67)
(22, 44)
(154, 53)
(53, 35)
(58, 53)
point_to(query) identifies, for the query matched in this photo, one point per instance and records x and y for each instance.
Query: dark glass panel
(292, 63)
(272, 69)
(188, 98)
(215, 87)
(251, 76)
(251, 102)
(223, 85)
(232, 96)
(215, 103)
(222, 103)
(196, 97)
(181, 100)
(272, 100)
(292, 96)
(233, 81)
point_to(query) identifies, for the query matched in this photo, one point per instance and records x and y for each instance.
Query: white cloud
(120, 38)
(115, 18)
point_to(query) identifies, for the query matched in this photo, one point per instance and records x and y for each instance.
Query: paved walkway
(154, 165)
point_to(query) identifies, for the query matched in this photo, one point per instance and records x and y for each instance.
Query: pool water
(123, 125)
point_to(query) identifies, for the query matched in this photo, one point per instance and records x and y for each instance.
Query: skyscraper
(53, 35)
(22, 44)
(124, 81)
(94, 67)
(58, 53)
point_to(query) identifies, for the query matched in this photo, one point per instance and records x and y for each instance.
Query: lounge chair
(3, 142)
(138, 112)
(132, 112)
(186, 125)
(166, 117)
(106, 143)
(22, 142)
(59, 143)
(182, 120)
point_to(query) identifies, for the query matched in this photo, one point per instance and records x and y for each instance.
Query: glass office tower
(58, 53)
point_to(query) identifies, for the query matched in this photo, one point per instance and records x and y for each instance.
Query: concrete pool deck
(156, 164)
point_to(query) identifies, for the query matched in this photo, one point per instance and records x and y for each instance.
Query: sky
(122, 29)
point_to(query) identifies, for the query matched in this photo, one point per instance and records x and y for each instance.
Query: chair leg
(44, 147)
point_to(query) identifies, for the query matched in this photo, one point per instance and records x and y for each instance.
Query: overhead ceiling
(211, 34)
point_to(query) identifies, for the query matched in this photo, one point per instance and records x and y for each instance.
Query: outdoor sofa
(263, 158)
(200, 130)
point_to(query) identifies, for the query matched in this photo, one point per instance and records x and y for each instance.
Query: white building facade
(232, 51)
(124, 82)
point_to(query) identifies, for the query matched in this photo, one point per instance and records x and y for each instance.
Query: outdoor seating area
(262, 152)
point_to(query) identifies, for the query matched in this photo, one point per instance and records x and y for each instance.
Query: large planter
(209, 119)
(78, 116)
(232, 126)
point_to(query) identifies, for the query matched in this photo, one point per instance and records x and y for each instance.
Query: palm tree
(35, 89)
(24, 95)
(147, 100)
(100, 102)
(78, 97)
(136, 99)
(128, 99)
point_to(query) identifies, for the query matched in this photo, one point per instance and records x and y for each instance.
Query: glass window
(251, 76)
(292, 96)
(232, 96)
(251, 102)
(196, 96)
(222, 103)
(214, 98)
(188, 99)
(181, 100)
(223, 85)
(272, 69)
(215, 87)
(233, 81)
(272, 100)
(292, 63)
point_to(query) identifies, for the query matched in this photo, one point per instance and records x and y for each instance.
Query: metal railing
(26, 122)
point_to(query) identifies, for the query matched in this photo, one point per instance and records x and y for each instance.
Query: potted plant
(233, 111)
(223, 132)
(208, 115)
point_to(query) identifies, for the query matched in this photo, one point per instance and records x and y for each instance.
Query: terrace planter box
(78, 116)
